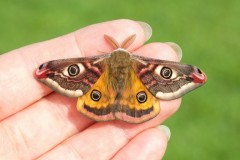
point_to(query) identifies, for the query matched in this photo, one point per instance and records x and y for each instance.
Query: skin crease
(37, 123)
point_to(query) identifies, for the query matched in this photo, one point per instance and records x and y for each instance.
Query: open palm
(37, 123)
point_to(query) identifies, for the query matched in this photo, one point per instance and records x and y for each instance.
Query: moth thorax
(119, 69)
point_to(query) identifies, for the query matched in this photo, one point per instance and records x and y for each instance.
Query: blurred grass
(208, 124)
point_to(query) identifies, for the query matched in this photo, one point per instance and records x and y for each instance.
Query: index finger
(18, 86)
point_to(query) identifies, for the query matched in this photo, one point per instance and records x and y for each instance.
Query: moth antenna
(127, 42)
(112, 41)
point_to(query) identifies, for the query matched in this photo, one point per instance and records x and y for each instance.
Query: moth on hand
(120, 85)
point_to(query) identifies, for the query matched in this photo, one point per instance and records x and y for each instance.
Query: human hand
(37, 123)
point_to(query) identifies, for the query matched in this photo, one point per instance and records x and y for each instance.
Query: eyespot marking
(141, 97)
(74, 70)
(165, 72)
(95, 95)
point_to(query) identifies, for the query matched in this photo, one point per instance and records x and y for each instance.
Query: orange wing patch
(94, 108)
(136, 104)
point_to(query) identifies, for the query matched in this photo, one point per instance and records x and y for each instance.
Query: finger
(38, 128)
(162, 51)
(49, 122)
(149, 144)
(17, 67)
(57, 119)
(99, 141)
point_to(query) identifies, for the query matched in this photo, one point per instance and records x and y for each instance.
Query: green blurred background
(207, 126)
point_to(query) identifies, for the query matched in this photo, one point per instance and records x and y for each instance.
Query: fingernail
(146, 28)
(165, 130)
(176, 48)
